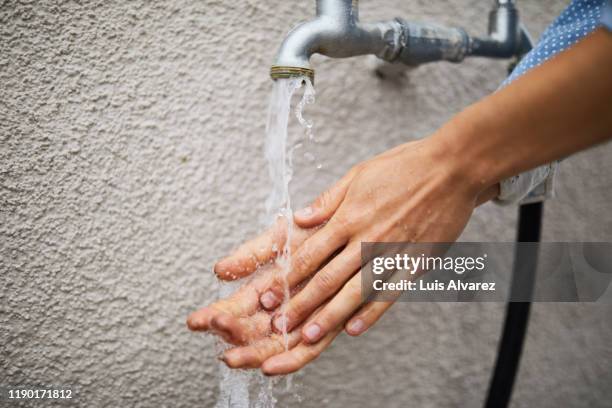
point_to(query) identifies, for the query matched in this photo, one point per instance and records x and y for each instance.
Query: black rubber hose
(517, 313)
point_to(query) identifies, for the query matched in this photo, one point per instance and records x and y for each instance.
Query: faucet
(337, 32)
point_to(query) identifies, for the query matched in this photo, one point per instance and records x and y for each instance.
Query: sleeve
(606, 15)
(575, 22)
(528, 187)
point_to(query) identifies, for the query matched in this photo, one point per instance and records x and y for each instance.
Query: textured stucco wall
(131, 157)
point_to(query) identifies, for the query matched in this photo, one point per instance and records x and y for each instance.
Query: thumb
(325, 205)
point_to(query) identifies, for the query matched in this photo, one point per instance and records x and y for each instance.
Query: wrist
(456, 148)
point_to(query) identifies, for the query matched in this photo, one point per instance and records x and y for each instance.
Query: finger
(253, 355)
(227, 327)
(323, 285)
(305, 261)
(336, 312)
(242, 303)
(240, 331)
(366, 317)
(201, 319)
(325, 204)
(254, 253)
(296, 358)
(369, 313)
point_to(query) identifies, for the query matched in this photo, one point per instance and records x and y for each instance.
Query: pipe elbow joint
(293, 56)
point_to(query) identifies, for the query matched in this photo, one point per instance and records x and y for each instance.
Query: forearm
(557, 109)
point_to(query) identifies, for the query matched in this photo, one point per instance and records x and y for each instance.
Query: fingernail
(279, 323)
(356, 326)
(192, 322)
(312, 332)
(217, 268)
(304, 212)
(220, 266)
(269, 300)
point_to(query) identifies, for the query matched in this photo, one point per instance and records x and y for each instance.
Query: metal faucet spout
(336, 32)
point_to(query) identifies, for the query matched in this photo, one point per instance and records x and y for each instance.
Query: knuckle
(259, 356)
(325, 282)
(353, 291)
(342, 224)
(296, 310)
(277, 284)
(276, 287)
(302, 261)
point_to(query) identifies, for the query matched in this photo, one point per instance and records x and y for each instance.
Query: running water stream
(234, 386)
(279, 154)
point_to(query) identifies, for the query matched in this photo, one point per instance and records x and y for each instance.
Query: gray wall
(131, 158)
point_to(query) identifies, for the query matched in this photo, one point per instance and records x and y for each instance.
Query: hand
(414, 193)
(241, 321)
(415, 179)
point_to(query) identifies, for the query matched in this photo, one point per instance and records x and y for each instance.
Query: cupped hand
(242, 322)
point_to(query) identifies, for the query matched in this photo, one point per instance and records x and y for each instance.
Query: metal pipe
(336, 32)
(504, 33)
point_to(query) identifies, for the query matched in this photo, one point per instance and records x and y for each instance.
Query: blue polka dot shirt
(579, 19)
